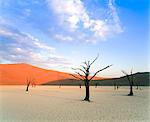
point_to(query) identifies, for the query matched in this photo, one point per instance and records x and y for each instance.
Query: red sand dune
(17, 74)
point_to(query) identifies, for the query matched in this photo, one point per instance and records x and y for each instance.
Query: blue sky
(58, 35)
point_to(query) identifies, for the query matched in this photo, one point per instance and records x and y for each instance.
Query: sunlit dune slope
(17, 74)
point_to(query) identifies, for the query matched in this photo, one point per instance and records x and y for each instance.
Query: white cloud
(5, 32)
(19, 47)
(72, 12)
(63, 37)
(37, 43)
(115, 16)
(99, 27)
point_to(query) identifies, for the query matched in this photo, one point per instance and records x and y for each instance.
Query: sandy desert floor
(51, 103)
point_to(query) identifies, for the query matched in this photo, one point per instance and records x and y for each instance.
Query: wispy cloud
(61, 37)
(73, 15)
(20, 47)
(115, 17)
(68, 18)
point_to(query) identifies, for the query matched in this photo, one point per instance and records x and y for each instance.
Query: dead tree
(83, 74)
(115, 85)
(28, 82)
(96, 84)
(137, 86)
(130, 79)
(80, 86)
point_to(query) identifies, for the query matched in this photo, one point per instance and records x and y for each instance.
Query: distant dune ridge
(17, 74)
(140, 79)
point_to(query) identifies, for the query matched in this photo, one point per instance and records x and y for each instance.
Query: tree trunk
(27, 87)
(87, 92)
(131, 91)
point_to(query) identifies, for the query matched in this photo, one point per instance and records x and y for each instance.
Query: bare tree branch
(99, 71)
(131, 77)
(124, 72)
(127, 76)
(94, 60)
(88, 63)
(82, 76)
(82, 70)
(76, 77)
(83, 67)
(85, 63)
(28, 81)
(79, 69)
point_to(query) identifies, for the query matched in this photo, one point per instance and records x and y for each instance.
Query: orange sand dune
(17, 74)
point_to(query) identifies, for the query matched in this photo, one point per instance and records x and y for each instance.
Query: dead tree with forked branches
(83, 74)
(130, 79)
(28, 82)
